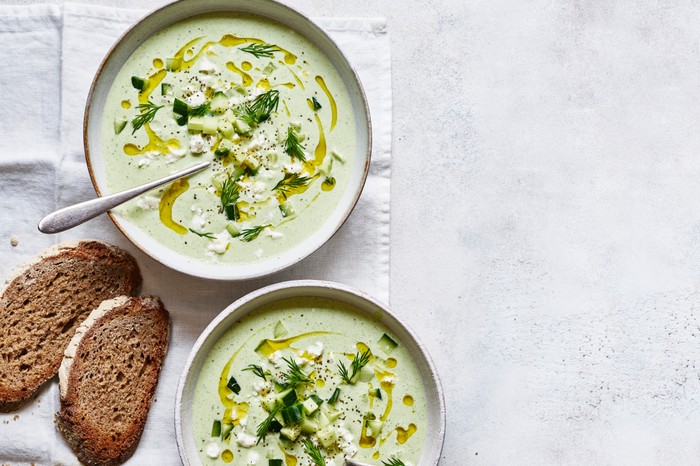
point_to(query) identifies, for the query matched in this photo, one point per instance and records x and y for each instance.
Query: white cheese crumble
(220, 243)
(292, 167)
(245, 440)
(206, 66)
(147, 202)
(389, 379)
(213, 450)
(199, 219)
(263, 387)
(144, 162)
(275, 357)
(196, 99)
(197, 144)
(345, 441)
(270, 233)
(252, 458)
(315, 350)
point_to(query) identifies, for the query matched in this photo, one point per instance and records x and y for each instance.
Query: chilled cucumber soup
(256, 98)
(308, 376)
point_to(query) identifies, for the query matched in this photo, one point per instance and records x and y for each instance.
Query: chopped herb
(293, 147)
(148, 113)
(317, 106)
(260, 109)
(358, 363)
(264, 427)
(260, 50)
(203, 234)
(393, 461)
(229, 198)
(334, 396)
(291, 181)
(314, 452)
(257, 370)
(249, 234)
(222, 151)
(295, 376)
(199, 111)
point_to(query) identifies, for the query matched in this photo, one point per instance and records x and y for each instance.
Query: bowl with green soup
(309, 373)
(261, 92)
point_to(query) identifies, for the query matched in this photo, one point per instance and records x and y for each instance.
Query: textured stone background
(545, 221)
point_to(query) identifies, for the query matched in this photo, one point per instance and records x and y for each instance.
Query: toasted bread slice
(108, 377)
(43, 304)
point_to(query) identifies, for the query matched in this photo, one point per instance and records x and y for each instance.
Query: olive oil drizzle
(247, 80)
(289, 459)
(267, 346)
(165, 206)
(334, 107)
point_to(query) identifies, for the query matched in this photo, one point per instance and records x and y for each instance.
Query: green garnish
(293, 147)
(216, 428)
(139, 83)
(291, 181)
(264, 427)
(330, 180)
(257, 370)
(260, 50)
(292, 414)
(260, 109)
(314, 102)
(199, 111)
(314, 452)
(180, 107)
(295, 376)
(148, 113)
(233, 385)
(229, 198)
(393, 461)
(222, 151)
(203, 234)
(358, 363)
(334, 396)
(249, 234)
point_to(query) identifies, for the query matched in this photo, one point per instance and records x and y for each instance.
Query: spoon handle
(69, 217)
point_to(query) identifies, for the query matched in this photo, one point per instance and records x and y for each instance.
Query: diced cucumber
(287, 209)
(210, 125)
(290, 432)
(139, 83)
(309, 426)
(292, 414)
(225, 127)
(316, 398)
(326, 166)
(269, 402)
(180, 107)
(219, 103)
(239, 89)
(327, 436)
(315, 103)
(375, 425)
(331, 413)
(288, 397)
(334, 396)
(269, 68)
(221, 151)
(241, 127)
(366, 374)
(195, 124)
(216, 428)
(275, 462)
(310, 406)
(181, 120)
(233, 385)
(376, 392)
(280, 330)
(233, 229)
(166, 89)
(251, 162)
(173, 64)
(119, 125)
(387, 344)
(272, 157)
(296, 126)
(226, 432)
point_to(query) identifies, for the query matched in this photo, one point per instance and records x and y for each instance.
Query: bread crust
(20, 377)
(76, 419)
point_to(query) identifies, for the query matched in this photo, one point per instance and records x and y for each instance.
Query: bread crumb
(14, 240)
(16, 416)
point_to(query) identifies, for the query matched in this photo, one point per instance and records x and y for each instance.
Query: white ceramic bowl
(435, 405)
(172, 13)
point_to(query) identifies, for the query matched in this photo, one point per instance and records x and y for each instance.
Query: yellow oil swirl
(408, 400)
(227, 456)
(264, 84)
(267, 346)
(388, 387)
(247, 80)
(319, 151)
(320, 383)
(402, 435)
(289, 459)
(247, 66)
(296, 78)
(366, 440)
(334, 107)
(328, 184)
(375, 455)
(152, 83)
(165, 207)
(157, 63)
(391, 363)
(126, 104)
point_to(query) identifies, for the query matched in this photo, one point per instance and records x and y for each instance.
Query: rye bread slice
(108, 377)
(44, 302)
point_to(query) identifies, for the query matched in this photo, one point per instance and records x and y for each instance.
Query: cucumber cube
(210, 125)
(327, 436)
(195, 124)
(290, 432)
(310, 406)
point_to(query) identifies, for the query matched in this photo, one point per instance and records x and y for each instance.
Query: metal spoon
(69, 217)
(349, 462)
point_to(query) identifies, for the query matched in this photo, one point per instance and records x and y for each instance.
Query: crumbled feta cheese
(197, 144)
(252, 458)
(177, 152)
(258, 187)
(270, 233)
(263, 387)
(245, 440)
(206, 66)
(293, 167)
(196, 99)
(345, 441)
(257, 142)
(301, 361)
(199, 219)
(315, 350)
(275, 358)
(220, 243)
(144, 162)
(389, 379)
(147, 202)
(213, 450)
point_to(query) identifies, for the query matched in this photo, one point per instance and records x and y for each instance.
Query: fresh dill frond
(229, 198)
(249, 234)
(293, 147)
(314, 452)
(330, 181)
(295, 376)
(290, 182)
(260, 109)
(358, 362)
(393, 461)
(257, 370)
(203, 234)
(260, 50)
(199, 111)
(264, 427)
(148, 113)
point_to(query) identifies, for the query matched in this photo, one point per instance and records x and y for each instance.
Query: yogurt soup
(309, 381)
(259, 100)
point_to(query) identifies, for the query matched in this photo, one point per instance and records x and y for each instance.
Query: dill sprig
(199, 111)
(260, 50)
(293, 147)
(295, 376)
(203, 234)
(314, 452)
(249, 234)
(393, 461)
(264, 427)
(358, 362)
(290, 182)
(148, 113)
(260, 109)
(229, 198)
(257, 370)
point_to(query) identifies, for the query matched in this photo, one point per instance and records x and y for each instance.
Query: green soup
(259, 100)
(308, 376)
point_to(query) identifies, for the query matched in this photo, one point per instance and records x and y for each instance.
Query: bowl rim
(274, 265)
(260, 293)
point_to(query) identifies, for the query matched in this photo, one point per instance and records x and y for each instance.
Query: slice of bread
(108, 377)
(44, 302)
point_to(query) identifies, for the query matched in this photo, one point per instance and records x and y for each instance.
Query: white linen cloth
(50, 55)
